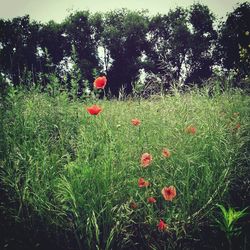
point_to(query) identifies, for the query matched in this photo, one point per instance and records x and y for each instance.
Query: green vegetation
(78, 174)
(228, 220)
(185, 44)
(74, 178)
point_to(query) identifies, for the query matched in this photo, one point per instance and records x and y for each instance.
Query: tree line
(186, 44)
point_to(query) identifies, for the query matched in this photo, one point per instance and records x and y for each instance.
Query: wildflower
(162, 226)
(133, 205)
(166, 153)
(135, 122)
(151, 200)
(247, 33)
(168, 193)
(237, 126)
(191, 130)
(94, 110)
(100, 82)
(143, 183)
(146, 159)
(236, 114)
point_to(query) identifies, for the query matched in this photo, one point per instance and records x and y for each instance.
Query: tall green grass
(79, 173)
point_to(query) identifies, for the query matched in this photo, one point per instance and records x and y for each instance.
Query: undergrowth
(79, 173)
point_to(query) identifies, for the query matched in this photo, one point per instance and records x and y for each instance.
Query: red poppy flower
(168, 193)
(191, 130)
(143, 183)
(94, 110)
(237, 126)
(146, 159)
(133, 205)
(151, 200)
(100, 82)
(135, 122)
(162, 226)
(166, 153)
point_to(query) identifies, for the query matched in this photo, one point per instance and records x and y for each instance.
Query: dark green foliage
(203, 41)
(234, 40)
(124, 37)
(177, 46)
(80, 33)
(50, 38)
(19, 38)
(181, 44)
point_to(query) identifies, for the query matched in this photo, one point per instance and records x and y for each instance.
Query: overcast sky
(57, 10)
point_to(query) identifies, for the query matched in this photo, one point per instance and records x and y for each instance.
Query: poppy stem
(139, 135)
(104, 94)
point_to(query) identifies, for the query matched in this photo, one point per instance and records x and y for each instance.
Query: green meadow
(74, 177)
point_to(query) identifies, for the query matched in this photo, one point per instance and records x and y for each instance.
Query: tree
(203, 40)
(51, 39)
(169, 39)
(124, 38)
(181, 44)
(18, 47)
(79, 33)
(234, 40)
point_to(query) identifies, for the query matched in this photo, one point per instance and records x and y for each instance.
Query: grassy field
(76, 176)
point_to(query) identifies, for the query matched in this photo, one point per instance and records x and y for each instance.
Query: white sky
(57, 10)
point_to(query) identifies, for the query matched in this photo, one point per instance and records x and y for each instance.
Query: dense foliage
(163, 166)
(183, 44)
(122, 174)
